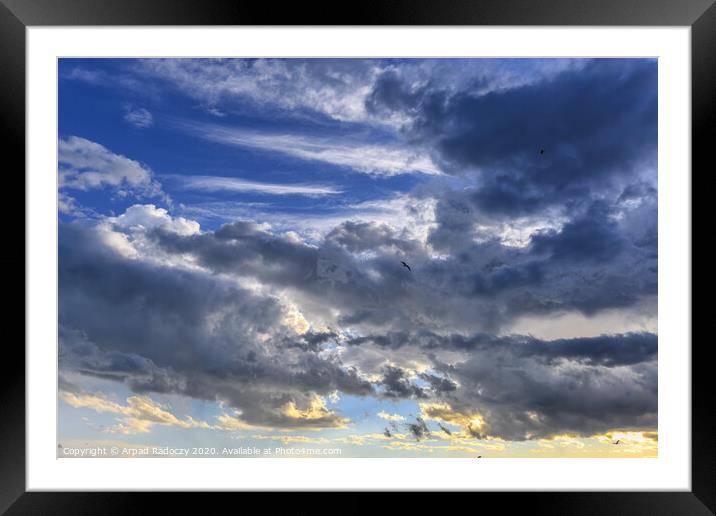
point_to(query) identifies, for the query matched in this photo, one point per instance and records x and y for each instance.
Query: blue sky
(232, 233)
(174, 138)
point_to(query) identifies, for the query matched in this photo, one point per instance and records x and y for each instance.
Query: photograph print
(385, 257)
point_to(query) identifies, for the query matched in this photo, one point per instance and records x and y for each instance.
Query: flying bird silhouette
(541, 151)
(617, 442)
(406, 266)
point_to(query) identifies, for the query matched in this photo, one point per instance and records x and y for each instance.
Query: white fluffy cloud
(148, 216)
(86, 165)
(390, 417)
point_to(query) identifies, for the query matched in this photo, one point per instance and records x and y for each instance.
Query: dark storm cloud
(246, 246)
(162, 329)
(592, 237)
(444, 429)
(419, 430)
(211, 339)
(328, 274)
(390, 93)
(438, 384)
(637, 191)
(582, 386)
(356, 237)
(77, 353)
(311, 341)
(594, 124)
(525, 388)
(595, 261)
(608, 351)
(603, 257)
(528, 398)
(397, 385)
(604, 350)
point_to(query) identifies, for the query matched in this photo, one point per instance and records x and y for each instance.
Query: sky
(358, 257)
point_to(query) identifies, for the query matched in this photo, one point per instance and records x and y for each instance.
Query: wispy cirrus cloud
(333, 88)
(235, 184)
(364, 157)
(139, 117)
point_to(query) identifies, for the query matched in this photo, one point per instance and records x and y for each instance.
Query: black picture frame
(16, 15)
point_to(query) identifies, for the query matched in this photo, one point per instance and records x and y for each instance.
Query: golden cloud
(138, 415)
(472, 423)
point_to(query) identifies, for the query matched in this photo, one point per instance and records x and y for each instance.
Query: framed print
(420, 249)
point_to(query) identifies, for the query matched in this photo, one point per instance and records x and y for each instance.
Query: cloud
(139, 117)
(119, 78)
(390, 417)
(138, 415)
(445, 429)
(522, 388)
(419, 430)
(592, 263)
(272, 324)
(78, 354)
(597, 124)
(96, 77)
(315, 416)
(591, 237)
(87, 165)
(291, 439)
(237, 345)
(331, 87)
(69, 206)
(360, 236)
(412, 217)
(336, 89)
(168, 329)
(364, 157)
(148, 216)
(234, 184)
(534, 397)
(396, 384)
(604, 350)
(472, 423)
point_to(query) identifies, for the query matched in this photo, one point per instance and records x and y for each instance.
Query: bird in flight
(541, 151)
(406, 266)
(617, 442)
